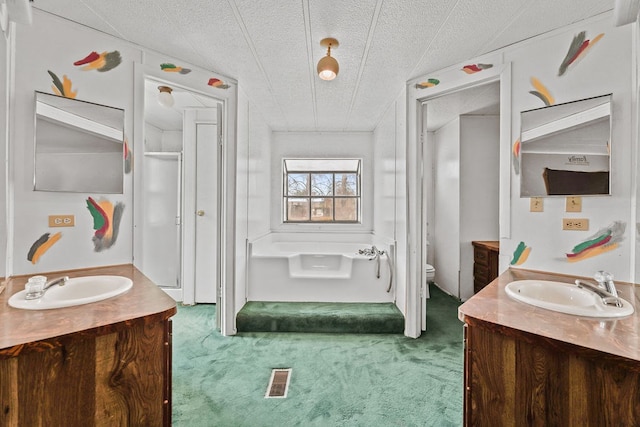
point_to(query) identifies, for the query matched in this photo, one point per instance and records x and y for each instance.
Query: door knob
(200, 213)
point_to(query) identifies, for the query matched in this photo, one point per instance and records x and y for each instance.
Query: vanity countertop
(36, 330)
(618, 337)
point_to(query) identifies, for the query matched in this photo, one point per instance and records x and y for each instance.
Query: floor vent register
(279, 383)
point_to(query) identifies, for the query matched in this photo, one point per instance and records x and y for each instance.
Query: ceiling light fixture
(328, 66)
(164, 97)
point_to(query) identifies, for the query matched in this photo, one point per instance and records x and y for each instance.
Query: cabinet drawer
(481, 273)
(481, 256)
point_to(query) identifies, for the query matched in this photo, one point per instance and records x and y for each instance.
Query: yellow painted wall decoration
(542, 92)
(42, 245)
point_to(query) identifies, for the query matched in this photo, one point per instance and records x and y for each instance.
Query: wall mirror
(566, 149)
(78, 146)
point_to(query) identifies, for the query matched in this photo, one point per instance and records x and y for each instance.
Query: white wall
(608, 67)
(357, 145)
(479, 185)
(635, 137)
(389, 188)
(4, 111)
(152, 138)
(259, 188)
(254, 187)
(446, 240)
(51, 43)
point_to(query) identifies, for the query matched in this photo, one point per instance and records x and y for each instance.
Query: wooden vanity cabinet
(106, 363)
(485, 263)
(117, 379)
(514, 378)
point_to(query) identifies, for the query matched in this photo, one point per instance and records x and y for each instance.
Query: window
(322, 190)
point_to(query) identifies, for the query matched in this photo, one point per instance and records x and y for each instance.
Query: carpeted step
(359, 318)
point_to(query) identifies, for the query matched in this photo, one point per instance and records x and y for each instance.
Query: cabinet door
(168, 360)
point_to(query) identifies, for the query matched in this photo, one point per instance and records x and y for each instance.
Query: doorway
(462, 152)
(201, 205)
(181, 200)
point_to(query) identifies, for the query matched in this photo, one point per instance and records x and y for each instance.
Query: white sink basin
(565, 298)
(77, 291)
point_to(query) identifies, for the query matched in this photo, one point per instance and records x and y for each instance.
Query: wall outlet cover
(580, 224)
(574, 204)
(536, 204)
(62, 220)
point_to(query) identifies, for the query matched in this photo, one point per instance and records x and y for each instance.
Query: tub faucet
(374, 254)
(605, 281)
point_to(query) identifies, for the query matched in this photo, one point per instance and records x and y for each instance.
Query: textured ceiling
(272, 46)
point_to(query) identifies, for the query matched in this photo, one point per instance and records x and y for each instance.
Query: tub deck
(364, 318)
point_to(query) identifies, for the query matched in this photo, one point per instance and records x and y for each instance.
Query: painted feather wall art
(42, 245)
(172, 68)
(578, 49)
(217, 83)
(106, 222)
(102, 62)
(428, 83)
(521, 254)
(542, 92)
(62, 88)
(604, 240)
(476, 68)
(128, 156)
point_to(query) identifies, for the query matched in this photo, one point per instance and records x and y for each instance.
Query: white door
(201, 214)
(161, 226)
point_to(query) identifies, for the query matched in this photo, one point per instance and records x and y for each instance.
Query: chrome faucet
(607, 297)
(605, 281)
(38, 291)
(374, 254)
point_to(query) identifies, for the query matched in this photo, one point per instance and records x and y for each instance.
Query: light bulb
(327, 75)
(164, 97)
(328, 68)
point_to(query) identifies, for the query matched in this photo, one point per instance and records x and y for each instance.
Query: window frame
(310, 197)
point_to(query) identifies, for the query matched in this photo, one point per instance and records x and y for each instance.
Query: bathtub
(322, 270)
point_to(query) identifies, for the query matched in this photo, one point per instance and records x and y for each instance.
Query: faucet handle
(605, 281)
(602, 277)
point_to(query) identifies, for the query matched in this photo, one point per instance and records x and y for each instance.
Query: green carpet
(341, 318)
(337, 379)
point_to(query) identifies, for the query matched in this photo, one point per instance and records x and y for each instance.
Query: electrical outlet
(62, 221)
(575, 224)
(536, 204)
(574, 204)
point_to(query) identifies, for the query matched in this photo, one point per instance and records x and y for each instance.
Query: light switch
(536, 204)
(574, 204)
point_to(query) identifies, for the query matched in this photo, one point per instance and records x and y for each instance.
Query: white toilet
(431, 273)
(424, 293)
